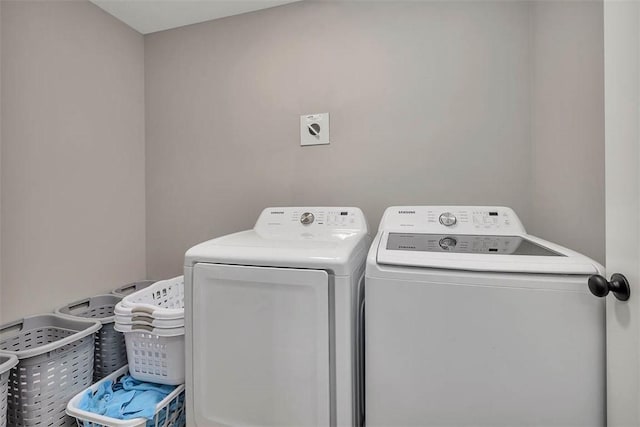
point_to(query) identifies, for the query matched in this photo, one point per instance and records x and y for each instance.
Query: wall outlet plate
(314, 129)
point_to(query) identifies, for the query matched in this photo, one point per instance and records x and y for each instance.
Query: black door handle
(619, 286)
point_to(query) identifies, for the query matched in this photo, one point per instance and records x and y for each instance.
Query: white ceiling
(149, 16)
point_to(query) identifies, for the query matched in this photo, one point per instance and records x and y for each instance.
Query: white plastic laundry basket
(152, 320)
(161, 300)
(170, 412)
(155, 355)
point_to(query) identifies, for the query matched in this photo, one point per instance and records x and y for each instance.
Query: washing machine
(271, 321)
(470, 321)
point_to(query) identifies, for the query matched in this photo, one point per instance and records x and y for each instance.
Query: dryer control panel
(470, 220)
(311, 219)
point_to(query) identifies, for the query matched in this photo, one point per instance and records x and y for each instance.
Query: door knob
(619, 286)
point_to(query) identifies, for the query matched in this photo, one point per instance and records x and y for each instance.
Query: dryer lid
(319, 238)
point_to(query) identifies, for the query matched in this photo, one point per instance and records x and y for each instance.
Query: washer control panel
(453, 220)
(490, 219)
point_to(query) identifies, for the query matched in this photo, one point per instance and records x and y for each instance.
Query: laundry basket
(7, 362)
(152, 321)
(155, 354)
(170, 412)
(162, 300)
(110, 352)
(130, 288)
(55, 362)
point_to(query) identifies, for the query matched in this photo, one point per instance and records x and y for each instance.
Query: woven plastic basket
(147, 320)
(170, 412)
(161, 332)
(110, 351)
(55, 362)
(154, 354)
(130, 288)
(7, 362)
(163, 300)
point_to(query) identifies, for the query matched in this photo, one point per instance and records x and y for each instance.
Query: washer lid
(517, 254)
(319, 238)
(463, 243)
(474, 238)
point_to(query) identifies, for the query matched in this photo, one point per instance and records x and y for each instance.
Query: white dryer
(270, 316)
(472, 322)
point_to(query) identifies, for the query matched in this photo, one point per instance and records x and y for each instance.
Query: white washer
(271, 321)
(472, 322)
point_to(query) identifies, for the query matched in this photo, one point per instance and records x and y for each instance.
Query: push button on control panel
(488, 219)
(448, 219)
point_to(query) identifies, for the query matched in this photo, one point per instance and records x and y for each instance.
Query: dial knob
(448, 219)
(307, 218)
(448, 243)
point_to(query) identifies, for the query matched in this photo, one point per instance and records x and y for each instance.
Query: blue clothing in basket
(126, 399)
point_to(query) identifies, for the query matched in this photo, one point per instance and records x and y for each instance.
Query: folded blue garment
(126, 399)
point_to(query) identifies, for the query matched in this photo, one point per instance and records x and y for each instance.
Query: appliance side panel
(345, 349)
(188, 324)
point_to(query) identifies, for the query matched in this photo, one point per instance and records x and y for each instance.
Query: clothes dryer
(271, 321)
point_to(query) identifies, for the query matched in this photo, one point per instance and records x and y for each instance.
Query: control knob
(448, 219)
(307, 218)
(448, 243)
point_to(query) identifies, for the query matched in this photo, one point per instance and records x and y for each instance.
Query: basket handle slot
(127, 289)
(143, 327)
(79, 305)
(145, 310)
(11, 329)
(142, 319)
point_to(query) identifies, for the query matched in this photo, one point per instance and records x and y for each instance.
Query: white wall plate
(314, 129)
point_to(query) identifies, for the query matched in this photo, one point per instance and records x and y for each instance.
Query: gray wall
(429, 104)
(1, 293)
(567, 137)
(488, 103)
(72, 171)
